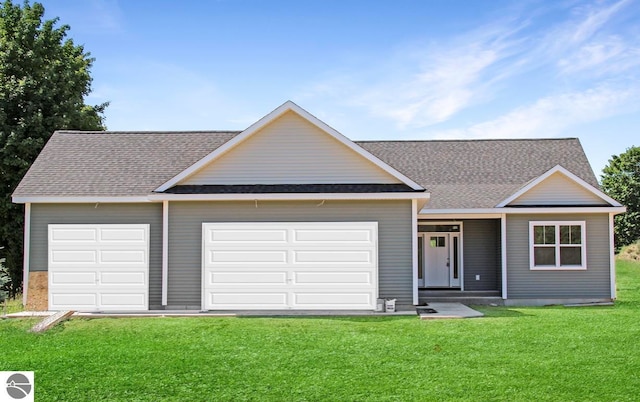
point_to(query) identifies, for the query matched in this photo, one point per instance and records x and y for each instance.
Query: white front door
(439, 259)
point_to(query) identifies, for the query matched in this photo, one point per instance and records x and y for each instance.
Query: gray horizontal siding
(558, 189)
(185, 238)
(523, 283)
(148, 213)
(481, 250)
(291, 150)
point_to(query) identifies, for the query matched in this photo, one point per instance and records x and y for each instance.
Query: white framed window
(557, 245)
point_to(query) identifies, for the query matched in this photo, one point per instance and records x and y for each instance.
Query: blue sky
(454, 69)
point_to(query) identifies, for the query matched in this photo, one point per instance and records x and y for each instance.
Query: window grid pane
(570, 256)
(576, 234)
(549, 235)
(544, 256)
(565, 234)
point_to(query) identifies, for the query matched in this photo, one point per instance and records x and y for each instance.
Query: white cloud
(441, 80)
(595, 19)
(549, 116)
(428, 84)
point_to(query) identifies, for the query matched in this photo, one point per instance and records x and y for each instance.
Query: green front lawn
(553, 353)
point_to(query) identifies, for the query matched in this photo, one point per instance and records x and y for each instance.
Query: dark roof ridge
(474, 140)
(147, 132)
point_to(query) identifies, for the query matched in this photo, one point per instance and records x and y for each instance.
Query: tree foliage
(44, 78)
(621, 181)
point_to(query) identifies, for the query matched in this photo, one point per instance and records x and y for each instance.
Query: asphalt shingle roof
(480, 173)
(458, 174)
(114, 164)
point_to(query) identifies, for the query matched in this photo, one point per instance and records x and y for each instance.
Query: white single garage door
(292, 265)
(98, 267)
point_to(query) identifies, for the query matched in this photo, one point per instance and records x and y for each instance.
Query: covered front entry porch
(459, 258)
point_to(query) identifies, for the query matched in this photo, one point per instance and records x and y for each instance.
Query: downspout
(414, 249)
(165, 251)
(26, 249)
(503, 250)
(612, 256)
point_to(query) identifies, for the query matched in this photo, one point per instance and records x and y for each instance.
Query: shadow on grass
(349, 318)
(499, 312)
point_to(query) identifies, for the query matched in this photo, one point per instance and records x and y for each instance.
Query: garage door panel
(332, 300)
(289, 265)
(74, 278)
(247, 256)
(63, 235)
(260, 300)
(332, 236)
(98, 267)
(333, 257)
(121, 235)
(333, 278)
(247, 277)
(132, 257)
(123, 278)
(73, 300)
(248, 236)
(73, 257)
(123, 301)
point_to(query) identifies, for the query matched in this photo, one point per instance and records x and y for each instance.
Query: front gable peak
(289, 146)
(558, 187)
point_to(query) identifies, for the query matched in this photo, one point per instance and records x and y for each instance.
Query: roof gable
(288, 146)
(558, 187)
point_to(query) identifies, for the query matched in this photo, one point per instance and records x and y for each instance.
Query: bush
(4, 281)
(630, 252)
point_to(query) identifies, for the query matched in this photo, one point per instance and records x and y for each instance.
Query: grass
(513, 354)
(13, 305)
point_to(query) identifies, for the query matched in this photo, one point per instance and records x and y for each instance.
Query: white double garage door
(281, 265)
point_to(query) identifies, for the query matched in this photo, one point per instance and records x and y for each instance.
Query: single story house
(291, 214)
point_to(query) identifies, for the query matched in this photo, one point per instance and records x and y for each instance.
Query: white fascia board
(429, 213)
(78, 200)
(289, 196)
(566, 173)
(453, 217)
(279, 111)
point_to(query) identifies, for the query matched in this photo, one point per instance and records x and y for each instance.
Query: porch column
(503, 249)
(165, 251)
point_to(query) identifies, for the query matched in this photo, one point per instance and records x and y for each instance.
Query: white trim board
(422, 197)
(27, 249)
(486, 212)
(569, 175)
(80, 199)
(290, 196)
(279, 111)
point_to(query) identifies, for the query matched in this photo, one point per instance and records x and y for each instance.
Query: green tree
(44, 78)
(621, 181)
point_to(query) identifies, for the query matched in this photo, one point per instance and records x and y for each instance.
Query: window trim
(557, 245)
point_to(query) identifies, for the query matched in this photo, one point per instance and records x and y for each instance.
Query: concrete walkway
(435, 311)
(443, 310)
